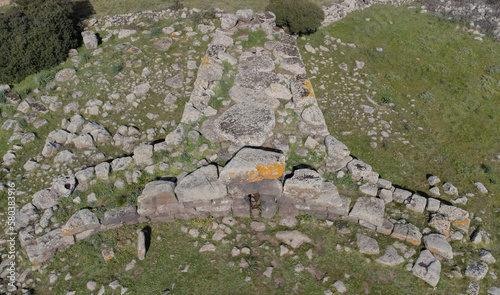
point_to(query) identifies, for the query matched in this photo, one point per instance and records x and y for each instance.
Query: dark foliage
(299, 16)
(35, 35)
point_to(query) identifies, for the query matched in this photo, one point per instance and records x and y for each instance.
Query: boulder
(246, 124)
(476, 269)
(102, 170)
(24, 216)
(245, 15)
(176, 81)
(482, 189)
(44, 247)
(221, 39)
(121, 163)
(84, 141)
(359, 169)
(123, 215)
(278, 91)
(143, 154)
(428, 268)
(401, 195)
(157, 198)
(210, 70)
(438, 245)
(313, 122)
(228, 21)
(391, 257)
(45, 198)
(417, 203)
(64, 186)
(64, 75)
(407, 232)
(142, 89)
(81, 221)
(163, 44)
(177, 136)
(305, 183)
(258, 80)
(259, 60)
(89, 39)
(367, 245)
(457, 216)
(441, 224)
(369, 209)
(450, 189)
(294, 239)
(201, 185)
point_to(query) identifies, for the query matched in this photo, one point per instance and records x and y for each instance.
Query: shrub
(43, 78)
(155, 32)
(35, 35)
(299, 16)
(177, 5)
(117, 68)
(2, 97)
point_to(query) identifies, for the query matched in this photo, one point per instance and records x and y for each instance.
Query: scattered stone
(367, 245)
(428, 268)
(450, 189)
(207, 248)
(339, 286)
(391, 257)
(438, 245)
(294, 239)
(476, 269)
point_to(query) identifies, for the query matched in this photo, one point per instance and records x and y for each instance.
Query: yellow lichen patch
(254, 176)
(309, 87)
(140, 252)
(413, 241)
(271, 171)
(108, 258)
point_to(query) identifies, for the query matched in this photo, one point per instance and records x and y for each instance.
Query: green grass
(453, 83)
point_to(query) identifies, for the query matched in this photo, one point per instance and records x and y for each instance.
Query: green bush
(299, 16)
(35, 35)
(117, 68)
(43, 78)
(155, 32)
(2, 97)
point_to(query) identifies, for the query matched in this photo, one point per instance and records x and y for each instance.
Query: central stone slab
(246, 124)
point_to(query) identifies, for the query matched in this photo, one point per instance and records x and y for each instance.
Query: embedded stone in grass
(428, 268)
(141, 244)
(369, 189)
(401, 195)
(208, 247)
(164, 44)
(367, 245)
(80, 221)
(64, 75)
(438, 245)
(359, 169)
(476, 269)
(450, 189)
(158, 198)
(391, 257)
(294, 239)
(433, 180)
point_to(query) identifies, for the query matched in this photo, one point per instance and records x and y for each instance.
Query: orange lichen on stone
(205, 62)
(140, 252)
(309, 87)
(462, 224)
(267, 171)
(414, 241)
(400, 237)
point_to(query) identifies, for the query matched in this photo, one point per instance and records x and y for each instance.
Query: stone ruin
(271, 80)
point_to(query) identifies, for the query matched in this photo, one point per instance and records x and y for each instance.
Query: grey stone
(245, 15)
(221, 39)
(401, 196)
(247, 95)
(258, 226)
(228, 21)
(64, 75)
(126, 215)
(294, 239)
(49, 149)
(207, 248)
(176, 81)
(201, 185)
(121, 163)
(417, 203)
(163, 44)
(369, 189)
(45, 198)
(473, 288)
(369, 209)
(84, 176)
(63, 157)
(391, 257)
(79, 222)
(432, 205)
(486, 256)
(305, 183)
(141, 245)
(482, 189)
(278, 91)
(89, 39)
(427, 268)
(44, 247)
(367, 245)
(24, 216)
(210, 70)
(84, 141)
(438, 245)
(124, 33)
(246, 124)
(494, 291)
(450, 189)
(359, 169)
(102, 170)
(157, 198)
(476, 269)
(339, 286)
(313, 122)
(258, 80)
(177, 136)
(142, 89)
(433, 180)
(143, 154)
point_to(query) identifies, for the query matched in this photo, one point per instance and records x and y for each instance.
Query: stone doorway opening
(254, 201)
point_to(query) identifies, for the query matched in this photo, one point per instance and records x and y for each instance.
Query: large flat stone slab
(201, 185)
(246, 124)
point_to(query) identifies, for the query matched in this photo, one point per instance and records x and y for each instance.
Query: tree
(35, 35)
(299, 16)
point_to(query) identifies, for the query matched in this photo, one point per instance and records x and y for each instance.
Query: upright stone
(141, 245)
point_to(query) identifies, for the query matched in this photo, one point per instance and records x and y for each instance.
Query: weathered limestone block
(407, 232)
(294, 239)
(313, 122)
(158, 198)
(441, 224)
(246, 124)
(359, 169)
(80, 221)
(367, 245)
(369, 209)
(457, 216)
(44, 247)
(305, 184)
(302, 92)
(210, 70)
(202, 184)
(428, 268)
(401, 195)
(417, 203)
(45, 198)
(438, 245)
(124, 215)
